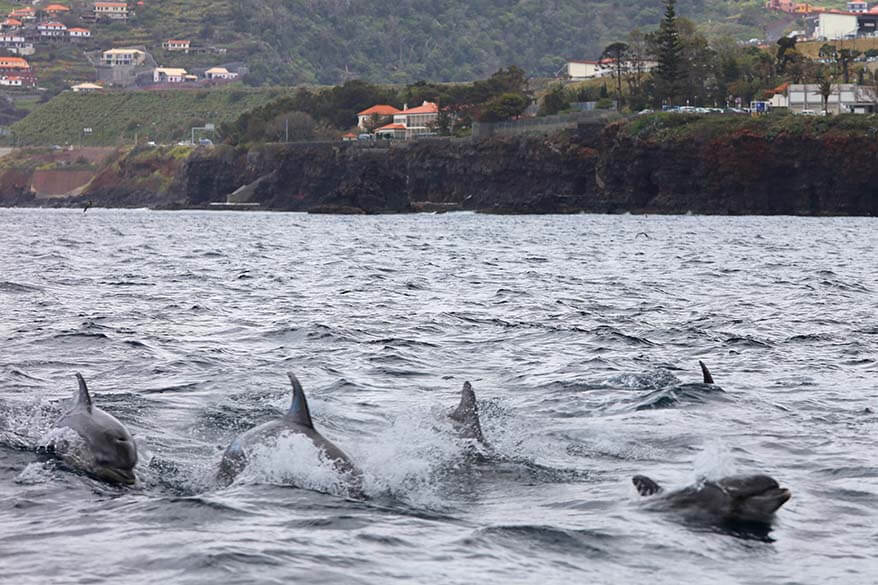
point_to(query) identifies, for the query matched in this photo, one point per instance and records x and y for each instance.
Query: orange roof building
(380, 110)
(14, 63)
(56, 8)
(17, 67)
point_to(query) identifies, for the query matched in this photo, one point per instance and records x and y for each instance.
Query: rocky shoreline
(657, 164)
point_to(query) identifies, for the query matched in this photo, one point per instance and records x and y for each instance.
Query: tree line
(691, 70)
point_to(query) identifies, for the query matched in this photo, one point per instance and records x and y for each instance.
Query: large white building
(832, 27)
(844, 98)
(578, 70)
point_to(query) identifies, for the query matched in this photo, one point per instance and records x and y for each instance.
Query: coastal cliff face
(749, 169)
(652, 164)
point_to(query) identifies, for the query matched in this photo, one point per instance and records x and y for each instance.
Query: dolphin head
(754, 498)
(113, 453)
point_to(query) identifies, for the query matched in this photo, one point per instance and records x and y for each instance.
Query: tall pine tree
(670, 69)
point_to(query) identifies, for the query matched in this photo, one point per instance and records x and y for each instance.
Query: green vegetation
(327, 42)
(308, 115)
(115, 117)
(672, 127)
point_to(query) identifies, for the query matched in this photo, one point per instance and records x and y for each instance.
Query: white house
(79, 33)
(111, 10)
(86, 87)
(116, 57)
(52, 29)
(10, 81)
(858, 6)
(832, 26)
(169, 75)
(172, 45)
(219, 73)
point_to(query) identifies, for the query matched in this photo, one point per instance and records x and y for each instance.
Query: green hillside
(115, 117)
(328, 41)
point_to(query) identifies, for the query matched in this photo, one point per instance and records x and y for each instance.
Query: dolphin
(465, 417)
(296, 420)
(669, 396)
(740, 498)
(109, 452)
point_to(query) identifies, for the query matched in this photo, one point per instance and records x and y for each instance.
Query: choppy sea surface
(580, 334)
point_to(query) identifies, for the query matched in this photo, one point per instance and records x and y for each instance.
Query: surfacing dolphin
(741, 498)
(670, 396)
(108, 452)
(296, 420)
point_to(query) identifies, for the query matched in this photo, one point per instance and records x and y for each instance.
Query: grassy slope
(163, 116)
(673, 127)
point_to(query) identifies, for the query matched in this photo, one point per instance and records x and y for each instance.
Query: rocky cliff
(654, 164)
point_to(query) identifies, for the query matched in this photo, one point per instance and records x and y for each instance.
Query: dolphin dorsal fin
(708, 379)
(467, 407)
(646, 486)
(298, 412)
(467, 413)
(82, 398)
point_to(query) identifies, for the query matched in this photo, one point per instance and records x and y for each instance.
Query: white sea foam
(35, 473)
(293, 459)
(715, 461)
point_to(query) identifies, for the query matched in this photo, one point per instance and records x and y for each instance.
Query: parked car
(205, 142)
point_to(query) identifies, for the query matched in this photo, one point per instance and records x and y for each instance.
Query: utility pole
(286, 129)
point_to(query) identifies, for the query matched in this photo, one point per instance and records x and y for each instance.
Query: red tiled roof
(56, 8)
(601, 62)
(381, 110)
(425, 108)
(391, 127)
(12, 22)
(14, 62)
(780, 88)
(183, 42)
(77, 29)
(125, 4)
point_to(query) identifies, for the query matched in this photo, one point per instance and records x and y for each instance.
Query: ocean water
(580, 334)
